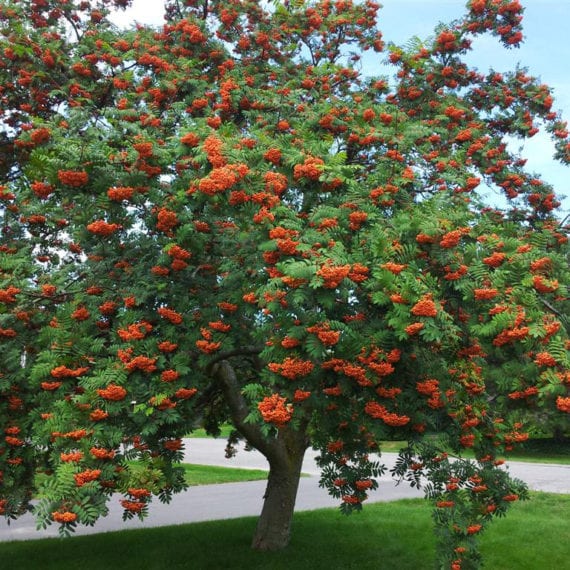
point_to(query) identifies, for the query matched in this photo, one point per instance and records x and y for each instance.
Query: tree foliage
(225, 219)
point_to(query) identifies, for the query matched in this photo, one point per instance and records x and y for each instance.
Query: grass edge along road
(213, 475)
(535, 534)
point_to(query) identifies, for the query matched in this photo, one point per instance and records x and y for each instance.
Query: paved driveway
(233, 500)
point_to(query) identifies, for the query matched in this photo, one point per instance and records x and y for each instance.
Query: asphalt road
(232, 500)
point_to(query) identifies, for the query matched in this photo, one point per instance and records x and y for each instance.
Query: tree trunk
(274, 525)
(558, 435)
(285, 456)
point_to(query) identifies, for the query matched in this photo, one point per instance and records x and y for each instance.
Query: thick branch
(225, 374)
(241, 351)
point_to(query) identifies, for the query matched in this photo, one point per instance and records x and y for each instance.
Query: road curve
(232, 500)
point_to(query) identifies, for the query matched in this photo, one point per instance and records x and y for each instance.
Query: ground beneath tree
(232, 500)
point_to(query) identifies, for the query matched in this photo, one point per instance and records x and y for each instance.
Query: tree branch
(225, 374)
(563, 317)
(73, 25)
(242, 351)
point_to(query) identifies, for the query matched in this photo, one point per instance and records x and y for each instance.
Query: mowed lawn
(212, 475)
(534, 536)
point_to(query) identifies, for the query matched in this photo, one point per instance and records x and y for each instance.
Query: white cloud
(149, 12)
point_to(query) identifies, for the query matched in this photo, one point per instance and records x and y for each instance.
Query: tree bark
(273, 530)
(285, 455)
(558, 435)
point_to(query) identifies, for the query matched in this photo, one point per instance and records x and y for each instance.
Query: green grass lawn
(535, 535)
(210, 474)
(206, 475)
(533, 451)
(225, 431)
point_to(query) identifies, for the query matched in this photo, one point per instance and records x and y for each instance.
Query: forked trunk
(274, 525)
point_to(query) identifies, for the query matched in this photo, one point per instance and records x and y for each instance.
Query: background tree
(223, 219)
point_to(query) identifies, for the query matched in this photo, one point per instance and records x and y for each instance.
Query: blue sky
(545, 52)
